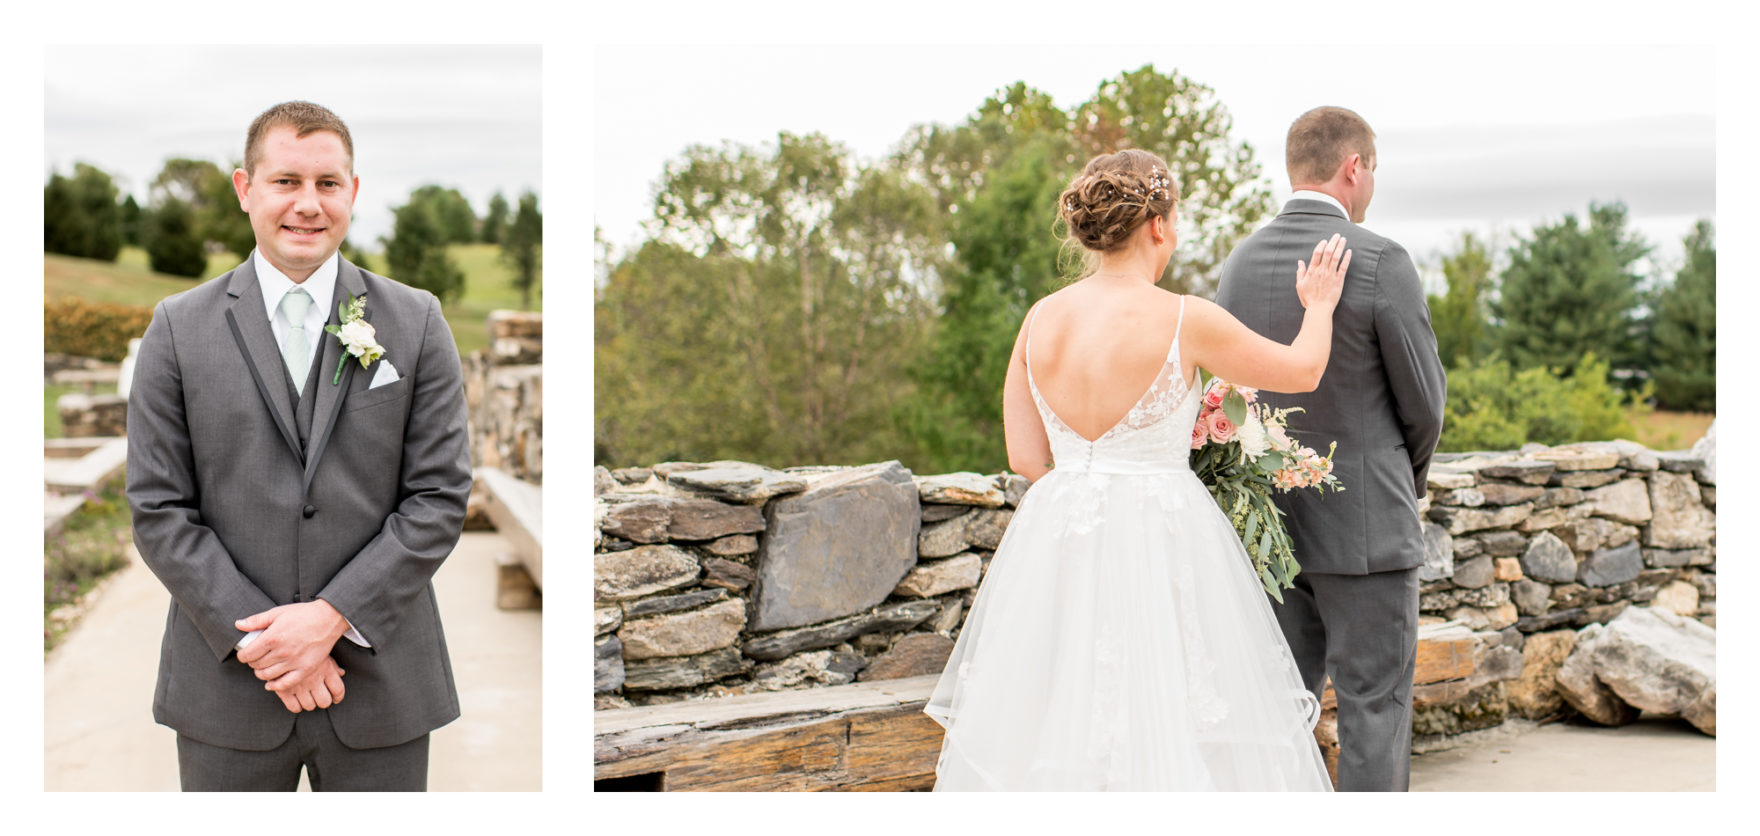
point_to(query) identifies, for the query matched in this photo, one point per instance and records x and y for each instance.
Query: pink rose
(1221, 429)
(1200, 434)
(1213, 398)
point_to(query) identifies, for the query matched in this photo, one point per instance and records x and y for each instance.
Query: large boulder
(1533, 695)
(837, 548)
(1577, 684)
(1656, 660)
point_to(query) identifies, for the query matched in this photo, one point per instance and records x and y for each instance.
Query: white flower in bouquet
(1255, 442)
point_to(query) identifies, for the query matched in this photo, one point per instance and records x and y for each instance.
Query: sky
(1489, 139)
(468, 117)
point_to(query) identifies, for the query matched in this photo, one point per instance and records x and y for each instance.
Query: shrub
(92, 329)
(1494, 407)
(173, 246)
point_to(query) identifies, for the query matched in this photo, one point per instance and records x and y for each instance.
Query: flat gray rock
(1608, 567)
(727, 574)
(1462, 520)
(683, 633)
(1577, 684)
(837, 548)
(673, 603)
(638, 518)
(780, 644)
(939, 577)
(1474, 573)
(706, 519)
(961, 489)
(917, 654)
(683, 672)
(641, 571)
(1496, 493)
(1593, 534)
(812, 668)
(1706, 450)
(1502, 543)
(606, 619)
(1530, 597)
(1585, 478)
(748, 484)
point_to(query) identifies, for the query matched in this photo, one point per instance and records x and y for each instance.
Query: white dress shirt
(1310, 194)
(321, 286)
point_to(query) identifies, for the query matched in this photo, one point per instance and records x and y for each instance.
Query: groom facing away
(294, 501)
(1353, 614)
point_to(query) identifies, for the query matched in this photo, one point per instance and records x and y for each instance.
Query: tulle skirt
(1121, 641)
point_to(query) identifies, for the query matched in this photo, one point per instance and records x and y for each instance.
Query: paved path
(1576, 756)
(98, 729)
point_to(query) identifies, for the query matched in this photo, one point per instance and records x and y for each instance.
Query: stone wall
(504, 391)
(723, 578)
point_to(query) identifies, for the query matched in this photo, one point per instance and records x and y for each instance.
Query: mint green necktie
(295, 349)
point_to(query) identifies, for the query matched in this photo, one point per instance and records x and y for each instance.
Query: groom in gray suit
(295, 490)
(1353, 614)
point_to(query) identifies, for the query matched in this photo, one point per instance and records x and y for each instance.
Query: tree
(773, 313)
(81, 216)
(353, 254)
(169, 233)
(207, 190)
(451, 214)
(522, 248)
(1459, 315)
(415, 254)
(1571, 290)
(131, 222)
(1684, 336)
(495, 222)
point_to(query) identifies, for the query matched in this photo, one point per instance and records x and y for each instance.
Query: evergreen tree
(415, 254)
(495, 222)
(131, 222)
(1684, 337)
(81, 215)
(169, 233)
(1459, 315)
(450, 213)
(1571, 290)
(522, 246)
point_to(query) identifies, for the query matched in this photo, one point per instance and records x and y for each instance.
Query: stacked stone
(504, 393)
(722, 578)
(1537, 544)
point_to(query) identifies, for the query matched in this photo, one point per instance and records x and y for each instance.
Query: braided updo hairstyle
(1115, 194)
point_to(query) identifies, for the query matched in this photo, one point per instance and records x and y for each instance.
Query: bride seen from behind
(1120, 639)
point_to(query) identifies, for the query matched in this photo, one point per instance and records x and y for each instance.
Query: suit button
(309, 511)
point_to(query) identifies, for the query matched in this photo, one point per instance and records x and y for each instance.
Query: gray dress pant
(1362, 631)
(330, 766)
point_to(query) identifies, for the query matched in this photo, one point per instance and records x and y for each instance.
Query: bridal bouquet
(1242, 451)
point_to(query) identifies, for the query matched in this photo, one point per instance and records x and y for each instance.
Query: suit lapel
(250, 329)
(330, 396)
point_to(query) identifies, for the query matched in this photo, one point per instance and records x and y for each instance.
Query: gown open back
(1120, 639)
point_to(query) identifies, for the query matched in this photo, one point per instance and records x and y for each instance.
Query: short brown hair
(1115, 194)
(1320, 141)
(304, 118)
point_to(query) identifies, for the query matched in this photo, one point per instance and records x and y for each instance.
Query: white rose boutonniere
(356, 334)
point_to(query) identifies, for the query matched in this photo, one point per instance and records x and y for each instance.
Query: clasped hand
(292, 655)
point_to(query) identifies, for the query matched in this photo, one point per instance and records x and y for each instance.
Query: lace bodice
(1155, 436)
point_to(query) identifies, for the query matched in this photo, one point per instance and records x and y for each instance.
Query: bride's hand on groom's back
(1320, 280)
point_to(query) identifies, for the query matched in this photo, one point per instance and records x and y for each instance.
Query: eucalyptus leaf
(1234, 405)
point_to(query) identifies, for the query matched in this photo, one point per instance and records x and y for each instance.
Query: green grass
(91, 544)
(128, 281)
(1670, 430)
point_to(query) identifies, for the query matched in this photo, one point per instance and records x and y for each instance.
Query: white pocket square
(386, 374)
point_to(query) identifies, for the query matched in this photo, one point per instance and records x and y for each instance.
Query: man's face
(1365, 189)
(300, 198)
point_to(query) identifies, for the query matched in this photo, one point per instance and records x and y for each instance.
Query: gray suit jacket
(235, 515)
(1380, 399)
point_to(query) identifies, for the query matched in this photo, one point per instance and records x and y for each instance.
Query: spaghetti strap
(1172, 350)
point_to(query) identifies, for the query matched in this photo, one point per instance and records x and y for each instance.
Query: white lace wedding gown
(1120, 639)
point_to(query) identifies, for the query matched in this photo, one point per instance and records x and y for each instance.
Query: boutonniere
(356, 334)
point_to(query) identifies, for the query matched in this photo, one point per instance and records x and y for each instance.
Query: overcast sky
(468, 117)
(1491, 139)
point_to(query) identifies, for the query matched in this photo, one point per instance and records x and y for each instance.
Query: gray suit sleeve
(1408, 352)
(165, 500)
(375, 589)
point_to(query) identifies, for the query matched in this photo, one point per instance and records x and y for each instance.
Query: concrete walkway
(98, 729)
(1653, 754)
